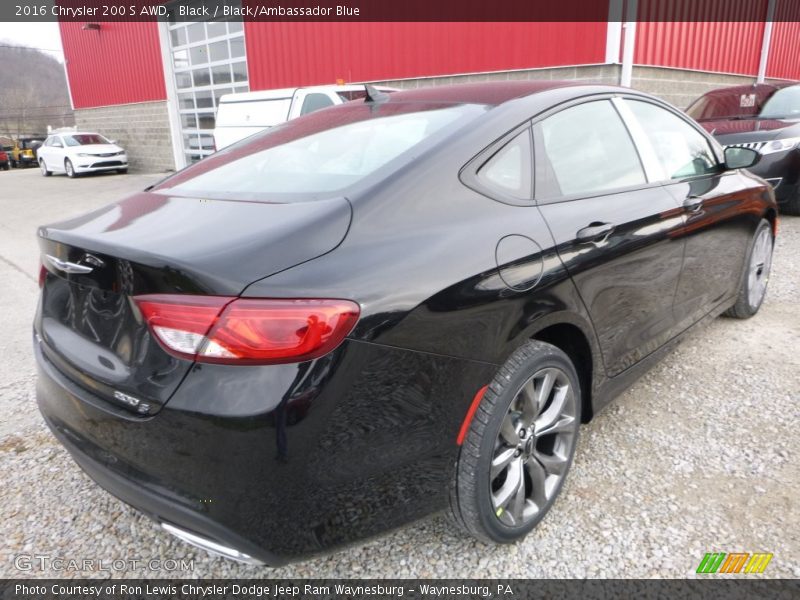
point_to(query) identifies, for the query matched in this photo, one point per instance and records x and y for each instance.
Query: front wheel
(519, 446)
(43, 167)
(70, 170)
(758, 267)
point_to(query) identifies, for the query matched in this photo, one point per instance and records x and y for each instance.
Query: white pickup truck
(242, 115)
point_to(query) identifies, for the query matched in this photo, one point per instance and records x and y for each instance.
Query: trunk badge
(67, 267)
(93, 260)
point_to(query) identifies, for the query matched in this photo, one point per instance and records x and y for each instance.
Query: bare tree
(33, 92)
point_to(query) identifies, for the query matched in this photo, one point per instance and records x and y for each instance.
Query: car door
(717, 227)
(55, 161)
(615, 228)
(44, 151)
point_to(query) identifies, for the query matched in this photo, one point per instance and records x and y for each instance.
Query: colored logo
(741, 562)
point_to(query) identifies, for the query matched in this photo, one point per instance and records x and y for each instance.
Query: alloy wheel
(532, 451)
(759, 269)
(69, 168)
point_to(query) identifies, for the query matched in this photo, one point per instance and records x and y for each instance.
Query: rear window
(253, 113)
(783, 104)
(359, 94)
(740, 103)
(320, 153)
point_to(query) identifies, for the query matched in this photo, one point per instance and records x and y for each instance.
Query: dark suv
(766, 118)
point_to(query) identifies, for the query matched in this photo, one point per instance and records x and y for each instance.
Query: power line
(6, 107)
(30, 48)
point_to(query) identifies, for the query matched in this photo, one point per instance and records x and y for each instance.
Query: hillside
(33, 92)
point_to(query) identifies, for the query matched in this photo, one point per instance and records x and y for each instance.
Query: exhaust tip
(210, 546)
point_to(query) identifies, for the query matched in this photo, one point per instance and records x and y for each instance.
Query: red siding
(283, 54)
(680, 38)
(119, 64)
(784, 52)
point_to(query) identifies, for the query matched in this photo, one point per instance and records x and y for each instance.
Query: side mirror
(740, 158)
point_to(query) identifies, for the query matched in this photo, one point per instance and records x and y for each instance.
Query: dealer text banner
(306, 589)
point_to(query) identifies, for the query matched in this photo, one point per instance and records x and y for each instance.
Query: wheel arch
(577, 342)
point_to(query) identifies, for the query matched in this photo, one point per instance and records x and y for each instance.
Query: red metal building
(162, 80)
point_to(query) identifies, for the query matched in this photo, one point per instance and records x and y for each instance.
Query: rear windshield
(323, 152)
(253, 113)
(783, 104)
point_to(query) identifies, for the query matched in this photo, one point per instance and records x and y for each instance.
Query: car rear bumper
(366, 446)
(57, 395)
(163, 510)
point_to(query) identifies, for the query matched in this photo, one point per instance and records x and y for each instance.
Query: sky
(44, 36)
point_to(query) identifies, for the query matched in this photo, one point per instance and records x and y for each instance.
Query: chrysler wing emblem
(67, 267)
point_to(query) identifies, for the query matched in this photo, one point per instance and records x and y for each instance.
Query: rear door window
(680, 148)
(587, 150)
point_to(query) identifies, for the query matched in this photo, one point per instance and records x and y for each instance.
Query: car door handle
(693, 204)
(594, 232)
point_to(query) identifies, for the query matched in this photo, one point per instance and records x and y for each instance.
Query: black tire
(69, 169)
(746, 304)
(122, 171)
(44, 169)
(473, 492)
(6, 167)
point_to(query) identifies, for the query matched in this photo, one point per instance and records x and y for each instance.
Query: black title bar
(398, 10)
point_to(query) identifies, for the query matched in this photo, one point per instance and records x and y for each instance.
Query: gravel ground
(700, 455)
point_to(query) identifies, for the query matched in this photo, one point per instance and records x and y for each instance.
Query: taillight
(216, 329)
(42, 275)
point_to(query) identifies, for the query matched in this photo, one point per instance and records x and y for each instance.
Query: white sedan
(80, 152)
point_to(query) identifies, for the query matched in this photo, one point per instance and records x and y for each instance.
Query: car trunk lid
(90, 327)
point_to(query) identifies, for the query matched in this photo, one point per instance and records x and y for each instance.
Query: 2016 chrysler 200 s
(388, 308)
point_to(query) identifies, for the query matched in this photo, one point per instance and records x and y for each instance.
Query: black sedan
(766, 118)
(393, 307)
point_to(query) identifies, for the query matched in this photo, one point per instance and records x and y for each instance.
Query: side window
(509, 170)
(588, 149)
(48, 142)
(681, 149)
(315, 102)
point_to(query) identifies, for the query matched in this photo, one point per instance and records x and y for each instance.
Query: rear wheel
(519, 447)
(43, 167)
(758, 266)
(70, 170)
